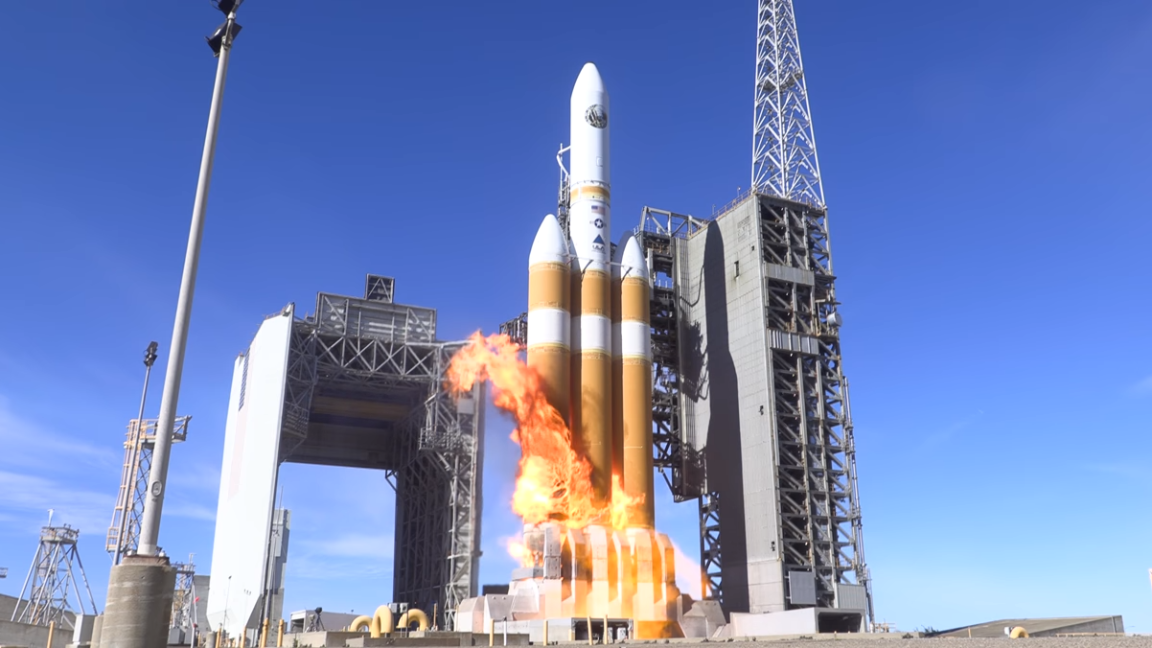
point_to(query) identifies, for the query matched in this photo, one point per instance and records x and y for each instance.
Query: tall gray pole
(154, 499)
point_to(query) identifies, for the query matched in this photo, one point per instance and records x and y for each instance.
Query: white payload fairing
(597, 368)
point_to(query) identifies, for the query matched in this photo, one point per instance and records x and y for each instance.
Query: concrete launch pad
(622, 580)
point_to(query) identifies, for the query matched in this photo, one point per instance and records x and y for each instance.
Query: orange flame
(519, 551)
(554, 481)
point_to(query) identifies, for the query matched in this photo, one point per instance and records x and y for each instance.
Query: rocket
(590, 227)
(588, 319)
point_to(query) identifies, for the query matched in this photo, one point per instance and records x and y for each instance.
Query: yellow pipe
(1018, 632)
(280, 635)
(362, 622)
(51, 631)
(411, 615)
(381, 622)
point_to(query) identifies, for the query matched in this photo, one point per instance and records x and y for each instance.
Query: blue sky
(986, 166)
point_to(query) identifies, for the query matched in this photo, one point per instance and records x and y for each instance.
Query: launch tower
(747, 300)
(750, 410)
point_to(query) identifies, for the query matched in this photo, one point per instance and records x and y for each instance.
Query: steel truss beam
(124, 532)
(661, 233)
(820, 521)
(378, 348)
(784, 161)
(184, 604)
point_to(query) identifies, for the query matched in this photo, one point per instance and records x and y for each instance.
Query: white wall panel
(248, 476)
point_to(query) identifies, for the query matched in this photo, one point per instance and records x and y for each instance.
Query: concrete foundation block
(97, 626)
(139, 606)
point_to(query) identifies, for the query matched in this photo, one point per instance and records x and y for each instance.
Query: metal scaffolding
(55, 576)
(372, 350)
(124, 532)
(819, 506)
(784, 159)
(185, 600)
(662, 233)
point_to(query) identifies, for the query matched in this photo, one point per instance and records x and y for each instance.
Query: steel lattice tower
(124, 532)
(185, 601)
(816, 460)
(55, 574)
(784, 161)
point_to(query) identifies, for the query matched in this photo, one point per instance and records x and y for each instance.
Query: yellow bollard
(545, 632)
(51, 631)
(219, 637)
(606, 642)
(491, 632)
(264, 634)
(280, 635)
(244, 638)
(588, 620)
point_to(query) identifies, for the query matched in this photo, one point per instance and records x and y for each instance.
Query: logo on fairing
(596, 115)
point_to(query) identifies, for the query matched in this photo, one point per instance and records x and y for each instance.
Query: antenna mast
(784, 160)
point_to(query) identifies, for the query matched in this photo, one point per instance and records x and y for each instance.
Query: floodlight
(227, 6)
(216, 40)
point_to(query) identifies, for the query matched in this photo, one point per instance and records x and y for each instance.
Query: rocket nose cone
(618, 256)
(632, 258)
(549, 245)
(589, 79)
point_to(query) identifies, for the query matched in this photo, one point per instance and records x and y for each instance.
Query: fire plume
(554, 481)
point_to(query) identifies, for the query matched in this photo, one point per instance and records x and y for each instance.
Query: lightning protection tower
(818, 499)
(55, 575)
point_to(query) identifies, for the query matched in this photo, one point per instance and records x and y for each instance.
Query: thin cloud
(204, 478)
(27, 499)
(1128, 469)
(941, 436)
(317, 568)
(1142, 387)
(354, 545)
(191, 511)
(28, 445)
